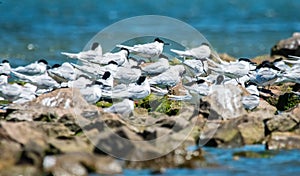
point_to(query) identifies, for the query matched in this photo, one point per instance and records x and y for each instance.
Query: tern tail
(123, 46)
(70, 55)
(182, 53)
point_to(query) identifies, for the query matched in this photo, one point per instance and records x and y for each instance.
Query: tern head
(245, 59)
(55, 66)
(42, 61)
(125, 49)
(106, 75)
(249, 83)
(94, 45)
(267, 64)
(278, 60)
(160, 41)
(220, 79)
(112, 62)
(141, 80)
(5, 61)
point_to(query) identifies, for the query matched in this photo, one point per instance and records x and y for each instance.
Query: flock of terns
(123, 78)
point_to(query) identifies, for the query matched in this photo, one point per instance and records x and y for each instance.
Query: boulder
(80, 164)
(283, 140)
(282, 122)
(225, 102)
(286, 47)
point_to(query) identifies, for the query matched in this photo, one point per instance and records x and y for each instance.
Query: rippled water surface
(33, 29)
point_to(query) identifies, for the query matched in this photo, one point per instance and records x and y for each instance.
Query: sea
(31, 30)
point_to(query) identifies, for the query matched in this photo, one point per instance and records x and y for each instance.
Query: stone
(70, 144)
(80, 163)
(10, 153)
(282, 122)
(252, 130)
(225, 102)
(286, 47)
(283, 140)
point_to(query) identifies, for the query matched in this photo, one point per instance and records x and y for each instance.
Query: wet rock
(282, 122)
(80, 163)
(252, 154)
(286, 47)
(225, 102)
(180, 157)
(244, 130)
(283, 140)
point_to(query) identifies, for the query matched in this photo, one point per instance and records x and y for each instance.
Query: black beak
(167, 44)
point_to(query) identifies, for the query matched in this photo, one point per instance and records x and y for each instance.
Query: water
(279, 163)
(42, 29)
(30, 30)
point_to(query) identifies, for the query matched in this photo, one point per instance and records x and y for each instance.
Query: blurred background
(32, 29)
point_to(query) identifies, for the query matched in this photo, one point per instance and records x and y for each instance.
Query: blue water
(279, 163)
(240, 28)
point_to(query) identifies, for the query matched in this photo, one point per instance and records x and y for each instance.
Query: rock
(20, 170)
(23, 133)
(282, 122)
(225, 102)
(80, 163)
(283, 140)
(70, 144)
(10, 153)
(287, 47)
(252, 130)
(180, 157)
(296, 111)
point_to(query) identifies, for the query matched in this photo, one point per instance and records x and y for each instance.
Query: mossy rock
(252, 154)
(287, 101)
(160, 104)
(103, 104)
(4, 102)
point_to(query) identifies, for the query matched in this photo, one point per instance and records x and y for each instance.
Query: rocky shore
(62, 135)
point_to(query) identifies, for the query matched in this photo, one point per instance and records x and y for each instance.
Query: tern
(92, 93)
(293, 75)
(43, 81)
(201, 52)
(138, 90)
(196, 67)
(234, 70)
(27, 94)
(3, 78)
(171, 77)
(148, 50)
(265, 74)
(65, 72)
(36, 68)
(95, 51)
(157, 67)
(252, 100)
(81, 82)
(121, 58)
(123, 108)
(10, 92)
(5, 67)
(127, 75)
(279, 63)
